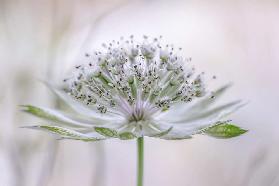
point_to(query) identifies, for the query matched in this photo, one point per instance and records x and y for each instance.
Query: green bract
(224, 130)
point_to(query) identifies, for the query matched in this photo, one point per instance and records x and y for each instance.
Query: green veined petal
(64, 133)
(52, 115)
(106, 132)
(85, 139)
(224, 130)
(127, 136)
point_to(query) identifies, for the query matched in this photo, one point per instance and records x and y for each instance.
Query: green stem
(140, 142)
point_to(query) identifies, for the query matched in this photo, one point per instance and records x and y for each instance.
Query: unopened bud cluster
(135, 79)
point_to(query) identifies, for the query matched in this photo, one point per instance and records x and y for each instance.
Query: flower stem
(140, 142)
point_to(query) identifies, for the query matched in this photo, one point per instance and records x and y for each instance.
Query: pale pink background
(236, 40)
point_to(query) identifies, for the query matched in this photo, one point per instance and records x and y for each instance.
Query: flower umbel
(132, 89)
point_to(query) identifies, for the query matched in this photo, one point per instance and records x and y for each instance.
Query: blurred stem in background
(56, 34)
(59, 30)
(98, 178)
(48, 163)
(15, 163)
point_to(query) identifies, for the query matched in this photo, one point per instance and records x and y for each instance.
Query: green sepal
(106, 132)
(84, 139)
(224, 130)
(127, 136)
(53, 115)
(36, 111)
(63, 133)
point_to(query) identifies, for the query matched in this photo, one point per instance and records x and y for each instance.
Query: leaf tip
(224, 131)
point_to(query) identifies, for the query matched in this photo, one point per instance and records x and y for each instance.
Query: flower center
(135, 117)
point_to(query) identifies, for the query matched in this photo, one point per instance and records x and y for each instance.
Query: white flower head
(131, 89)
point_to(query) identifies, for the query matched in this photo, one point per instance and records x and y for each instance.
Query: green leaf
(224, 130)
(64, 133)
(127, 136)
(106, 132)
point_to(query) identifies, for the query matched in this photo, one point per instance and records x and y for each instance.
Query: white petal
(79, 107)
(214, 113)
(179, 110)
(59, 117)
(153, 130)
(204, 103)
(175, 134)
(192, 126)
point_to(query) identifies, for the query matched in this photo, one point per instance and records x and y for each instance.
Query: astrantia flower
(132, 89)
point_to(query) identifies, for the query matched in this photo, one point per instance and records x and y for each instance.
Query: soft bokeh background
(236, 40)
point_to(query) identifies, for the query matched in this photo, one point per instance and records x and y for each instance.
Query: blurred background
(238, 41)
